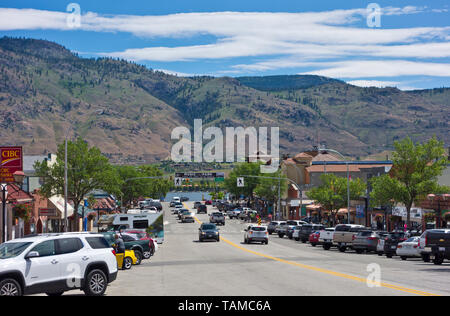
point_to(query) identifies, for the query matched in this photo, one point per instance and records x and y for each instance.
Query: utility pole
(65, 188)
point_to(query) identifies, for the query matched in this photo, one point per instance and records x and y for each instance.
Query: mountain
(129, 111)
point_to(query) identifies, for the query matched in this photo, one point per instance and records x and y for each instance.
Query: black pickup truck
(439, 242)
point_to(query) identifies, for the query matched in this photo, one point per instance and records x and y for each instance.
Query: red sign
(11, 160)
(51, 212)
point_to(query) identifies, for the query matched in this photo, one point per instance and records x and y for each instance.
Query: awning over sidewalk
(343, 211)
(58, 202)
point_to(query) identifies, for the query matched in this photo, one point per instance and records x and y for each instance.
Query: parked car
(234, 213)
(380, 244)
(409, 248)
(280, 229)
(208, 231)
(272, 226)
(307, 229)
(344, 235)
(290, 227)
(366, 240)
(256, 233)
(296, 232)
(184, 199)
(217, 218)
(326, 237)
(391, 242)
(141, 248)
(202, 209)
(425, 251)
(439, 242)
(208, 202)
(127, 259)
(143, 235)
(40, 264)
(314, 238)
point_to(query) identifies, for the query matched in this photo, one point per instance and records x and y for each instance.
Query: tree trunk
(408, 215)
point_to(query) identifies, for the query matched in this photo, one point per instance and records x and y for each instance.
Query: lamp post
(18, 178)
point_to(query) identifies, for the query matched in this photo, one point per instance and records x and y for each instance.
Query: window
(97, 242)
(45, 249)
(342, 228)
(124, 219)
(69, 245)
(140, 224)
(127, 238)
(259, 229)
(12, 249)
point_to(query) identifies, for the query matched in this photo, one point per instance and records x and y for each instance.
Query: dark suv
(202, 209)
(208, 231)
(391, 242)
(308, 229)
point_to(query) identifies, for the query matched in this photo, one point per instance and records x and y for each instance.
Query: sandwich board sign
(240, 182)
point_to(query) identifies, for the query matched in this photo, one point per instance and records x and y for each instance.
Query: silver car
(256, 233)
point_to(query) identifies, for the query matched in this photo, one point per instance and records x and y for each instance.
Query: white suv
(56, 263)
(256, 233)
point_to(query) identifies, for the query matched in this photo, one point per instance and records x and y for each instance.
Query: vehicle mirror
(32, 254)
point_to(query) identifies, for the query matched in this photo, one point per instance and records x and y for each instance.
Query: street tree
(239, 170)
(268, 189)
(88, 169)
(332, 193)
(414, 174)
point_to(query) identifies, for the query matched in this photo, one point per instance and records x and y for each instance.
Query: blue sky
(409, 48)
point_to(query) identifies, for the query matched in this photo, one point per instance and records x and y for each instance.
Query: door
(43, 271)
(74, 258)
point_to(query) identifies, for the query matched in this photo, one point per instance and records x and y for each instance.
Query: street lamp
(18, 178)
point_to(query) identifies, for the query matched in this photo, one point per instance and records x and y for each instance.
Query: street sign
(11, 160)
(178, 182)
(197, 175)
(295, 203)
(240, 182)
(49, 212)
(219, 179)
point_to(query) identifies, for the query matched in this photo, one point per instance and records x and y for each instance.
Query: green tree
(332, 193)
(268, 188)
(250, 183)
(88, 169)
(414, 174)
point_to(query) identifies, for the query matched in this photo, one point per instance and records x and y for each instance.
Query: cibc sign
(11, 160)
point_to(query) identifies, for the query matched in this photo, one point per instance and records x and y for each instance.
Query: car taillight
(416, 246)
(426, 240)
(371, 238)
(113, 252)
(399, 246)
(353, 237)
(386, 239)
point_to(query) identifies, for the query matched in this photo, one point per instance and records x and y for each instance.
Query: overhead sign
(11, 160)
(295, 202)
(240, 182)
(49, 212)
(178, 182)
(199, 175)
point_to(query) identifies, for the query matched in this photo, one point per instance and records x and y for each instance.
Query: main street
(184, 266)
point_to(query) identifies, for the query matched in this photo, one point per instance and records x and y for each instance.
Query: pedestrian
(120, 245)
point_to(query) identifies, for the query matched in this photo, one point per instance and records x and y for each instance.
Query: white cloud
(373, 83)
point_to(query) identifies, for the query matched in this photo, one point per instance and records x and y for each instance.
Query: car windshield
(208, 227)
(342, 228)
(258, 229)
(13, 249)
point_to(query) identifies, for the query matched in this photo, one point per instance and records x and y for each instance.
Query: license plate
(393, 247)
(442, 249)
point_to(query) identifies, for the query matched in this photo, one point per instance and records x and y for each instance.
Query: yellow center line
(326, 271)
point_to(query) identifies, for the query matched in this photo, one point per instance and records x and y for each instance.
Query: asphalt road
(185, 267)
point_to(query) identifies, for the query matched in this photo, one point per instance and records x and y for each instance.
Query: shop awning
(343, 211)
(313, 207)
(58, 202)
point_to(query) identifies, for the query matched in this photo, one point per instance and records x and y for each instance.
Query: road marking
(326, 271)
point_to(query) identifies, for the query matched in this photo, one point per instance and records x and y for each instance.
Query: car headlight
(216, 233)
(203, 233)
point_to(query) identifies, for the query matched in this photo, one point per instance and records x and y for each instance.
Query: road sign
(178, 182)
(220, 179)
(240, 182)
(197, 175)
(49, 212)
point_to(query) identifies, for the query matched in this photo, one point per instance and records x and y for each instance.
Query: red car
(142, 235)
(314, 239)
(208, 202)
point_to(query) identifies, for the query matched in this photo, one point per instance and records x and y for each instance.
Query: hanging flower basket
(22, 211)
(395, 219)
(430, 217)
(91, 217)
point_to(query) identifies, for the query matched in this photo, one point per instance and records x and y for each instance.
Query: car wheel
(304, 241)
(266, 242)
(127, 263)
(342, 249)
(218, 239)
(281, 235)
(359, 251)
(96, 283)
(297, 239)
(326, 247)
(403, 258)
(313, 244)
(139, 257)
(426, 258)
(10, 287)
(290, 236)
(389, 256)
(380, 254)
(147, 254)
(54, 294)
(438, 260)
